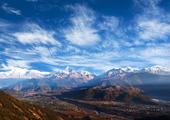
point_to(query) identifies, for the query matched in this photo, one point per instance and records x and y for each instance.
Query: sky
(88, 35)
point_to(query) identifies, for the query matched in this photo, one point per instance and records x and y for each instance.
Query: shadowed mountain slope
(109, 93)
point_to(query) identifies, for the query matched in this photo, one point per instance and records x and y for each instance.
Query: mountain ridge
(22, 73)
(71, 79)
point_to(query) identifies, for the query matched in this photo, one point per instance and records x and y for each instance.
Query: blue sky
(90, 35)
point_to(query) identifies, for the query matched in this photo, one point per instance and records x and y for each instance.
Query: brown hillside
(13, 109)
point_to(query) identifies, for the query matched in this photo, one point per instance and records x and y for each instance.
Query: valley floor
(74, 109)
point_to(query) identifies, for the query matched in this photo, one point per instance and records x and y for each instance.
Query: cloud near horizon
(82, 37)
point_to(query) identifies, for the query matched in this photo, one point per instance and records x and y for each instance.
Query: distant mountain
(8, 82)
(158, 70)
(109, 93)
(68, 78)
(14, 75)
(132, 76)
(33, 86)
(21, 73)
(13, 109)
(63, 79)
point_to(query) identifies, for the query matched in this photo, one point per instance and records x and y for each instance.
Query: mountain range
(116, 94)
(71, 79)
(62, 79)
(133, 76)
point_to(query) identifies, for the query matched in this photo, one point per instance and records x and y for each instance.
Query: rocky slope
(13, 109)
(109, 93)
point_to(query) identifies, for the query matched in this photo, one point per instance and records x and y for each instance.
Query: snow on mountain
(66, 78)
(69, 74)
(133, 76)
(22, 73)
(158, 70)
(69, 78)
(124, 70)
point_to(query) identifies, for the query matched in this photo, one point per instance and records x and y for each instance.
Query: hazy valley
(119, 94)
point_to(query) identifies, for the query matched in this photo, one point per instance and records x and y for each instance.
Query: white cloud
(149, 7)
(160, 61)
(109, 23)
(19, 69)
(82, 32)
(21, 73)
(156, 51)
(153, 29)
(97, 61)
(36, 35)
(153, 22)
(116, 47)
(24, 57)
(153, 54)
(10, 10)
(16, 63)
(44, 52)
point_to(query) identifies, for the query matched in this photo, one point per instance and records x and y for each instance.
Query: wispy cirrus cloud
(149, 55)
(34, 34)
(153, 29)
(89, 39)
(156, 51)
(109, 23)
(111, 26)
(81, 31)
(153, 22)
(19, 69)
(96, 61)
(10, 9)
(16, 63)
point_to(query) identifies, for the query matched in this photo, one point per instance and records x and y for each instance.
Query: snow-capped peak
(22, 73)
(125, 70)
(130, 69)
(68, 73)
(158, 70)
(67, 70)
(122, 70)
